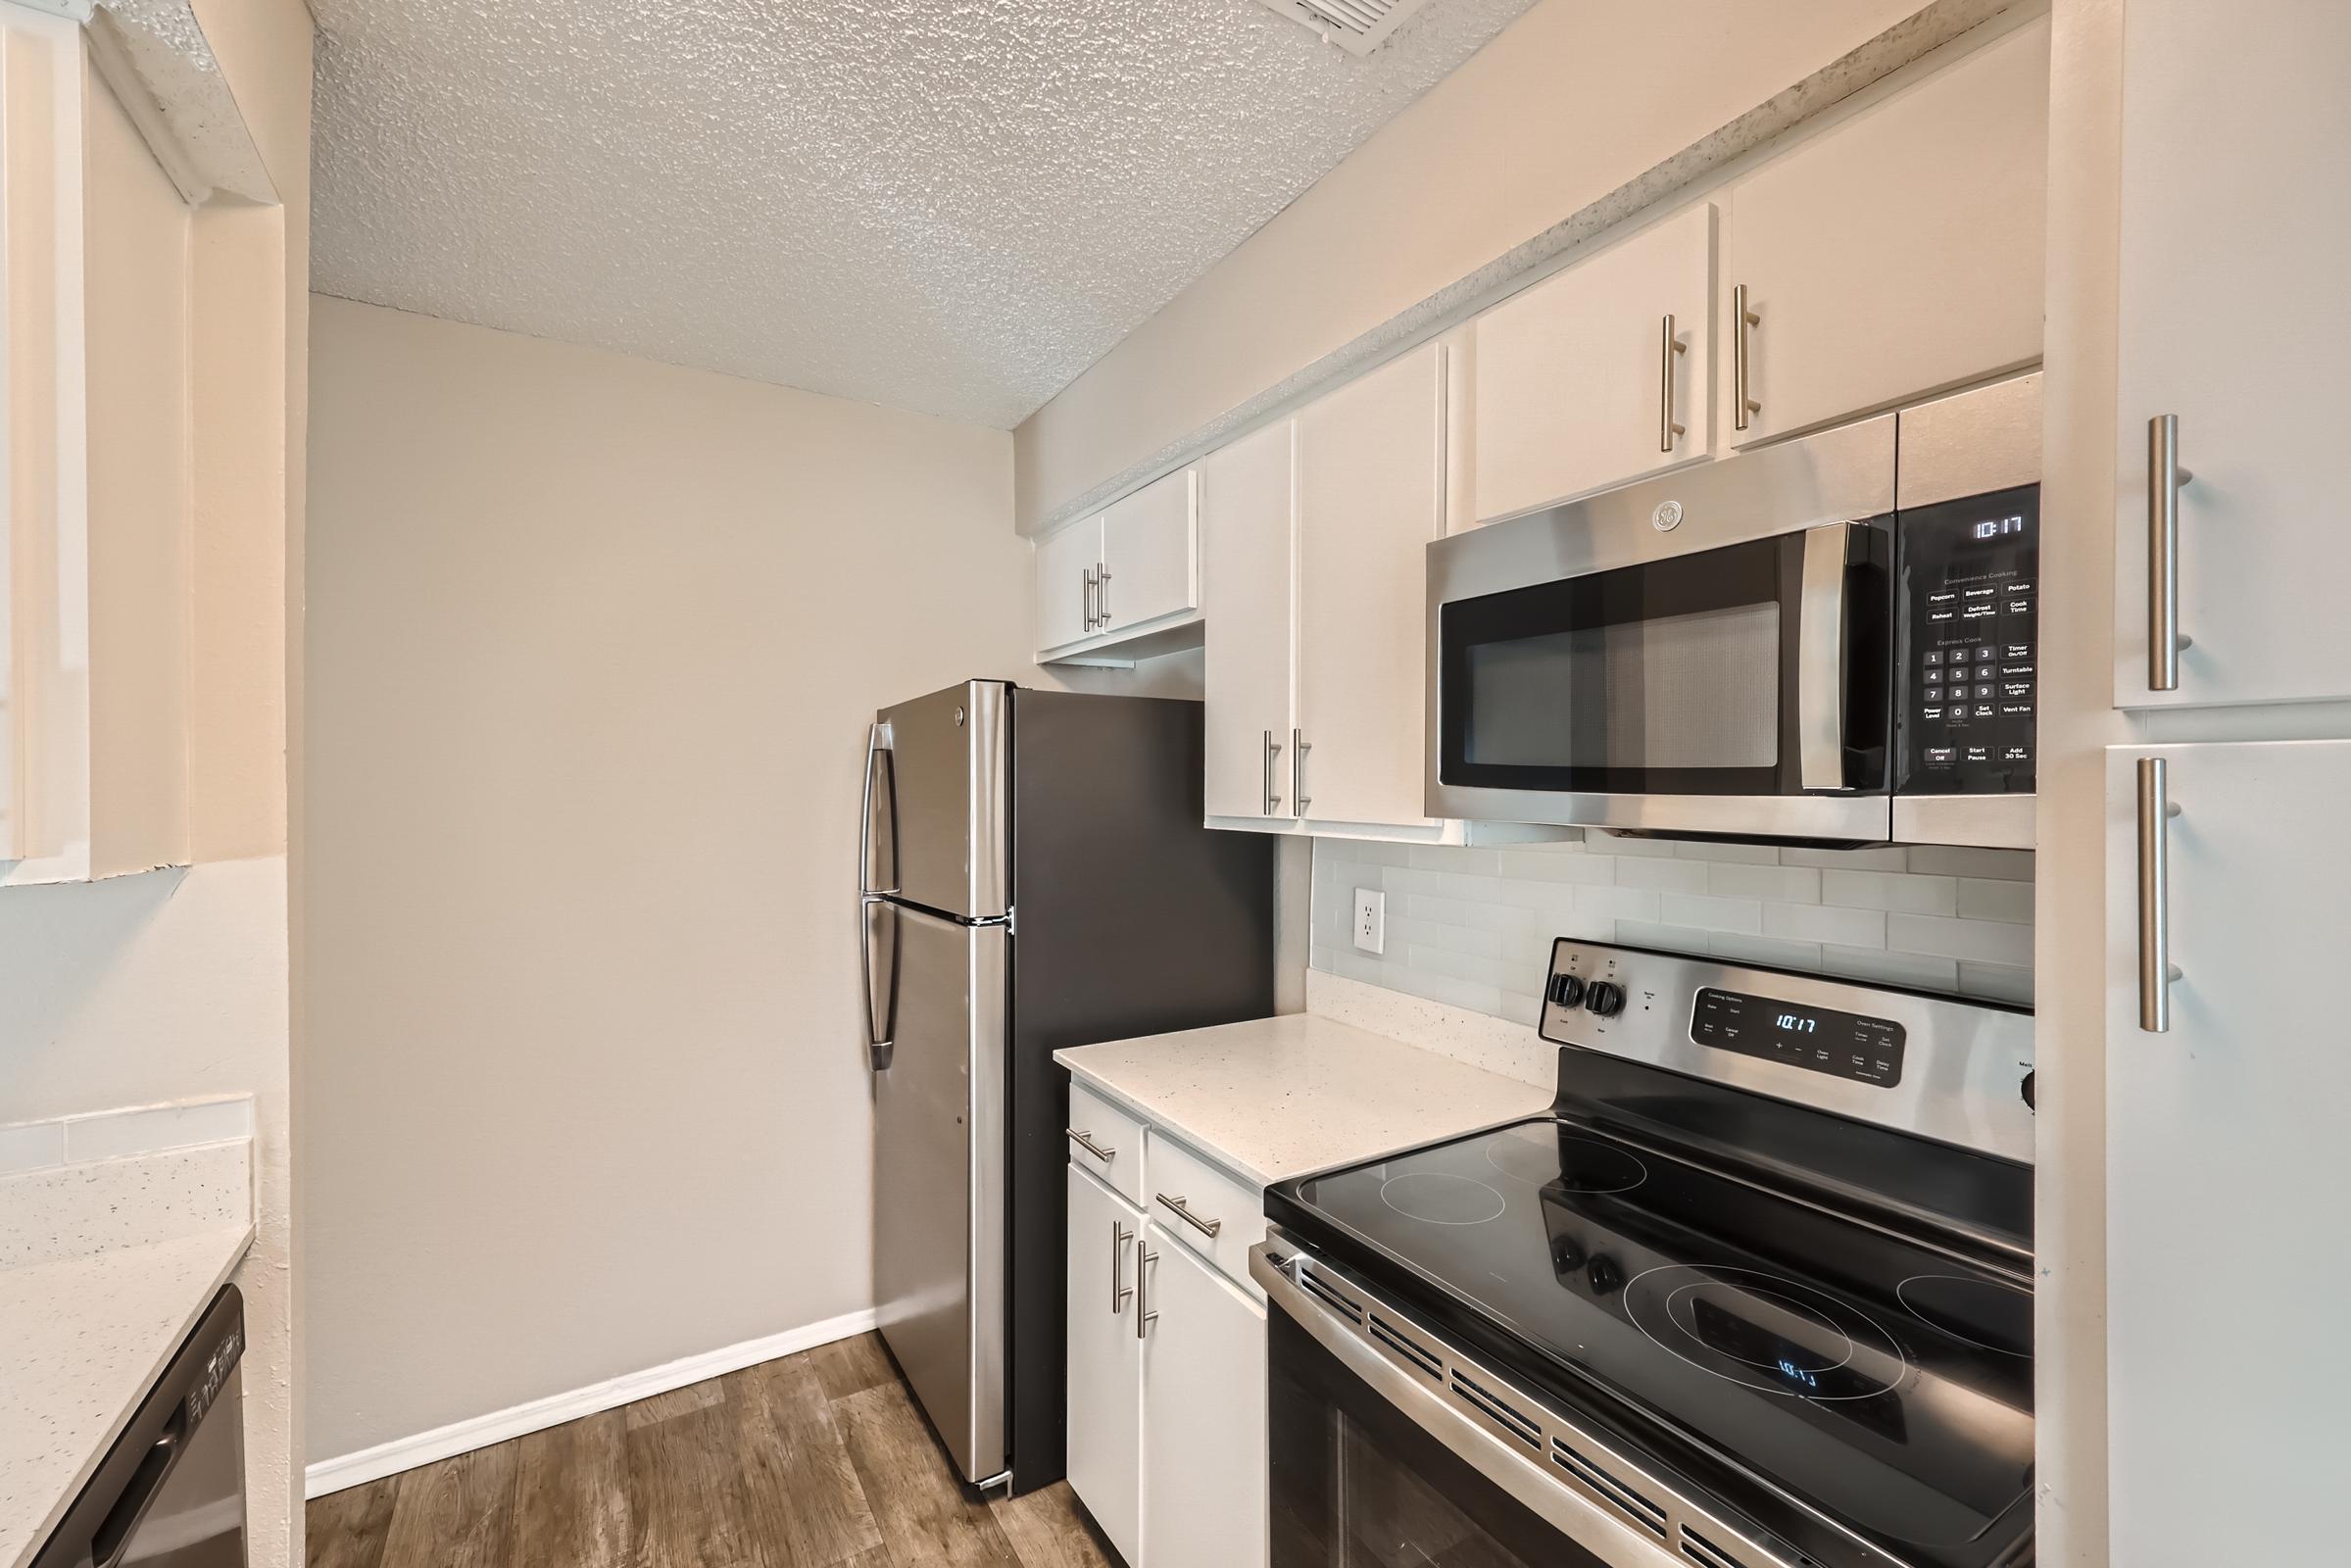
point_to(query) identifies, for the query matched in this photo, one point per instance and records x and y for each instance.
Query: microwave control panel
(1967, 685)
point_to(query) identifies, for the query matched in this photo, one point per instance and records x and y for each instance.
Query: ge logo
(1667, 517)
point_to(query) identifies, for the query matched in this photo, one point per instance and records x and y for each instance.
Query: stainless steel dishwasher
(170, 1492)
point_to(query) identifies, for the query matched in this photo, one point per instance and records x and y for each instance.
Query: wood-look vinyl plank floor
(818, 1460)
(925, 1516)
(459, 1513)
(571, 1495)
(347, 1528)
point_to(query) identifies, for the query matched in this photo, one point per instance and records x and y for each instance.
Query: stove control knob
(2030, 1103)
(1566, 990)
(1605, 1275)
(1603, 999)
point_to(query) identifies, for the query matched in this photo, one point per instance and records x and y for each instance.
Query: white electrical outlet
(1371, 919)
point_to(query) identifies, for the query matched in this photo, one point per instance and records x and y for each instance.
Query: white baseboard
(480, 1432)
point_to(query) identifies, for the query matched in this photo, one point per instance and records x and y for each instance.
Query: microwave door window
(1682, 692)
(1672, 677)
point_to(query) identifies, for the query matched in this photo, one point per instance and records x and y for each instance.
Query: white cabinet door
(1898, 253)
(1203, 1411)
(1150, 552)
(1573, 374)
(1370, 497)
(2226, 1163)
(1245, 546)
(1106, 1383)
(2236, 214)
(1066, 564)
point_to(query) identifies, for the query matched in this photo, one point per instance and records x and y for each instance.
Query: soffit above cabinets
(947, 209)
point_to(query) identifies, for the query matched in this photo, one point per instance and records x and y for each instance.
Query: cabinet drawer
(1183, 1184)
(1094, 1120)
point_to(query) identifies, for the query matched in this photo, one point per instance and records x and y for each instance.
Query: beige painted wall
(593, 644)
(1572, 100)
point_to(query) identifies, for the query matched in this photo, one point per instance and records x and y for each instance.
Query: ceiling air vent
(1356, 26)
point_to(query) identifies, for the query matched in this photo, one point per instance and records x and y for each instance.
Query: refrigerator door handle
(877, 825)
(879, 919)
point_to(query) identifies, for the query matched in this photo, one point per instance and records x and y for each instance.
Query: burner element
(1983, 1313)
(1764, 1332)
(1543, 1156)
(1441, 1199)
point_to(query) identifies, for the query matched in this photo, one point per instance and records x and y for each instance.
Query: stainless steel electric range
(1756, 1294)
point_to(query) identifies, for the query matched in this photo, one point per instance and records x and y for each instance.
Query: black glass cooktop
(1809, 1364)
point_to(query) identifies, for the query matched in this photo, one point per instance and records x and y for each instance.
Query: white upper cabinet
(1246, 544)
(1370, 498)
(2213, 1462)
(1126, 582)
(1600, 374)
(99, 535)
(1066, 564)
(1150, 554)
(1898, 253)
(2235, 217)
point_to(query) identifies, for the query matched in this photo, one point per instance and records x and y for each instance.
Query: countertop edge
(1256, 1172)
(239, 1242)
(1158, 1119)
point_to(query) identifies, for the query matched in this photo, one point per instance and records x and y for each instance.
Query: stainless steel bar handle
(1206, 1227)
(2165, 477)
(1119, 1237)
(878, 1050)
(1821, 659)
(1666, 429)
(875, 754)
(1273, 797)
(2155, 970)
(1144, 1257)
(1086, 1141)
(1101, 592)
(1086, 578)
(1742, 321)
(1298, 748)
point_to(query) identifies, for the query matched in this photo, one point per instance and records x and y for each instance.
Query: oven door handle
(1821, 659)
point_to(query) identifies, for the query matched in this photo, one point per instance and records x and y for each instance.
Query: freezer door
(939, 1183)
(945, 806)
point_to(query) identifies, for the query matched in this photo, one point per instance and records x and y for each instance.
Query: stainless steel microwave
(1833, 639)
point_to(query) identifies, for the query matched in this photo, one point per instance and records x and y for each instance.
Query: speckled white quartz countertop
(1275, 1097)
(105, 1268)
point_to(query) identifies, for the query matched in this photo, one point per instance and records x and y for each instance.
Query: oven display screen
(1844, 1045)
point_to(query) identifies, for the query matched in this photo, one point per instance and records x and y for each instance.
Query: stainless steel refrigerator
(1035, 875)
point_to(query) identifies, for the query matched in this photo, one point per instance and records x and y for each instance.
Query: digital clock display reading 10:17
(1844, 1045)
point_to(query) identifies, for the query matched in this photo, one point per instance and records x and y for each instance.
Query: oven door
(1355, 1482)
(1369, 1468)
(1709, 653)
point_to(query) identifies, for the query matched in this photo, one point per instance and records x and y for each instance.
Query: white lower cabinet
(1106, 1382)
(1203, 1414)
(1166, 1370)
(2212, 1462)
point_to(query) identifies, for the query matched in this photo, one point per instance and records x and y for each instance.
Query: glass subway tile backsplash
(1473, 927)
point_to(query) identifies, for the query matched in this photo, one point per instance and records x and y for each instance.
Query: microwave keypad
(1968, 687)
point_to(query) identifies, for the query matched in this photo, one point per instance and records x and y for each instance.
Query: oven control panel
(1943, 1068)
(1844, 1045)
(1968, 685)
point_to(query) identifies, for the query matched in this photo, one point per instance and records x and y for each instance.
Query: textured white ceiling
(952, 206)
